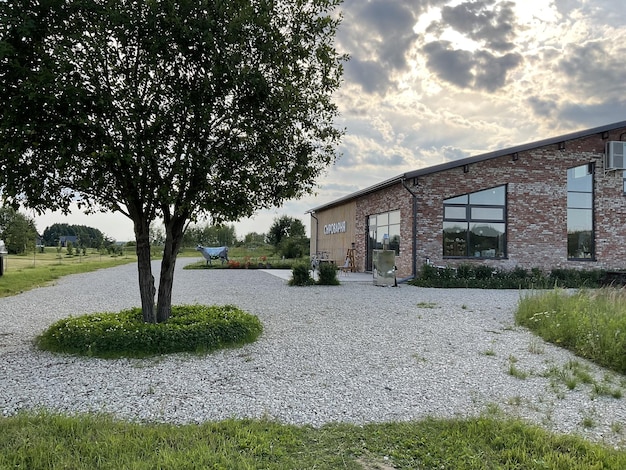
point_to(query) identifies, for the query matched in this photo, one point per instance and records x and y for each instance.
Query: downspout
(414, 247)
(317, 226)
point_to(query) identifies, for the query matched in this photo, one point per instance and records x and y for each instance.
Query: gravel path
(350, 353)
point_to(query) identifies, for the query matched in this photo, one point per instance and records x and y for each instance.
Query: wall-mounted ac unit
(615, 155)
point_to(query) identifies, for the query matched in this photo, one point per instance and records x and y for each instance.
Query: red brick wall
(536, 209)
(536, 206)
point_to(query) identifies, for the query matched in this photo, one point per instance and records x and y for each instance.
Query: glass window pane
(580, 200)
(454, 239)
(487, 213)
(455, 212)
(382, 219)
(372, 221)
(487, 240)
(579, 220)
(394, 238)
(394, 217)
(456, 200)
(580, 244)
(493, 196)
(579, 179)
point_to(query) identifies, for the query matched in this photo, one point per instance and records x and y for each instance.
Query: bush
(300, 276)
(328, 274)
(191, 328)
(485, 277)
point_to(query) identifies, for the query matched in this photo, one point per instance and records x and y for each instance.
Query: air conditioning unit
(615, 155)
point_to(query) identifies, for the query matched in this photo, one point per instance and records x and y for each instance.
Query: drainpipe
(317, 226)
(414, 204)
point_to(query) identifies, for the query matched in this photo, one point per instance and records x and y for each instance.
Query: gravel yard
(351, 353)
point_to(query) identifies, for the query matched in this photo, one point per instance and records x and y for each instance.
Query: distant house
(556, 203)
(65, 239)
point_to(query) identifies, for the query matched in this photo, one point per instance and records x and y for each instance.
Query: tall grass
(40, 441)
(590, 323)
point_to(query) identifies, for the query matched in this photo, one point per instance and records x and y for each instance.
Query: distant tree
(166, 110)
(285, 227)
(253, 239)
(17, 230)
(210, 235)
(89, 237)
(288, 236)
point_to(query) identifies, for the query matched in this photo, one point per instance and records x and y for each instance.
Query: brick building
(556, 203)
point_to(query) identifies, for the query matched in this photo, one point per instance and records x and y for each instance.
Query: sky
(432, 81)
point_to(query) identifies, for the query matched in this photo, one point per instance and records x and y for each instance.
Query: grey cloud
(379, 31)
(483, 22)
(372, 76)
(451, 65)
(593, 70)
(480, 69)
(491, 71)
(542, 107)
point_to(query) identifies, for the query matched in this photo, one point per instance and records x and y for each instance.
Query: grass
(27, 272)
(592, 324)
(47, 440)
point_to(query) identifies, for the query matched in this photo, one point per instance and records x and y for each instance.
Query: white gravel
(351, 353)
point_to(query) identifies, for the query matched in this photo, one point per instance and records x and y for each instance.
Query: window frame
(572, 197)
(467, 222)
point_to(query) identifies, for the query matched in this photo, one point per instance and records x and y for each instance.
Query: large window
(580, 237)
(474, 224)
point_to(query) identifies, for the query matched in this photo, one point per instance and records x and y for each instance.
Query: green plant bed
(485, 277)
(190, 328)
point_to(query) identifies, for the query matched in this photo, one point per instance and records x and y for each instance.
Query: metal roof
(467, 161)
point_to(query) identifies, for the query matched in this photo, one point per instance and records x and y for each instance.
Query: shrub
(328, 275)
(300, 276)
(485, 277)
(191, 328)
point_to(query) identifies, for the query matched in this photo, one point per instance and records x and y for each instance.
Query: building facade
(557, 203)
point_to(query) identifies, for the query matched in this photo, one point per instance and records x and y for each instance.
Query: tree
(166, 110)
(285, 227)
(17, 230)
(288, 236)
(254, 239)
(89, 237)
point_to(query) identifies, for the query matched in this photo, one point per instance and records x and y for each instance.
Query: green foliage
(485, 277)
(301, 276)
(89, 237)
(327, 274)
(47, 440)
(194, 328)
(210, 235)
(188, 118)
(592, 324)
(17, 231)
(288, 236)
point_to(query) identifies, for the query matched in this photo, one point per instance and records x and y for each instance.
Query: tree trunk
(144, 266)
(174, 229)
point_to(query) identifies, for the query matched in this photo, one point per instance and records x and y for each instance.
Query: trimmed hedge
(485, 277)
(190, 328)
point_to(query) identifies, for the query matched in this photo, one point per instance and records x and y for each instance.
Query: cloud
(480, 70)
(378, 35)
(482, 21)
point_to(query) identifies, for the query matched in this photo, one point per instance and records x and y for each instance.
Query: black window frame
(469, 221)
(590, 172)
